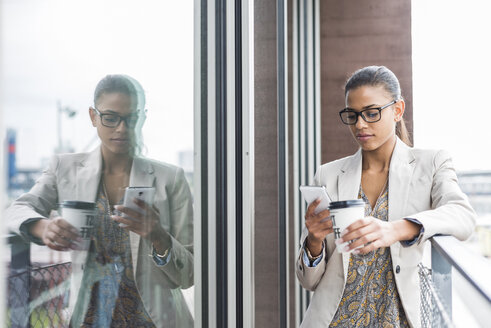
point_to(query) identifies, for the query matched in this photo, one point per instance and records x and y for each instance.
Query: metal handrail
(472, 278)
(465, 262)
(12, 238)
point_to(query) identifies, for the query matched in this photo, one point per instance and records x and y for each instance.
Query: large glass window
(53, 54)
(451, 77)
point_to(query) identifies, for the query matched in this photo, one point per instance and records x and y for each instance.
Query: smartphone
(144, 193)
(311, 193)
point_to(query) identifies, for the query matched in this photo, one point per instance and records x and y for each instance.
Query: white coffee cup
(81, 215)
(344, 213)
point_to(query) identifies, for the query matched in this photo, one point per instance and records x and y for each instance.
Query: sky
(57, 50)
(452, 79)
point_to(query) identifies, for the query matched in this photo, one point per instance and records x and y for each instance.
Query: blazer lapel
(348, 188)
(400, 175)
(350, 177)
(88, 176)
(142, 175)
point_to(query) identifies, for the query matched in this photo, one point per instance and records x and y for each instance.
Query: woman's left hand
(146, 224)
(372, 233)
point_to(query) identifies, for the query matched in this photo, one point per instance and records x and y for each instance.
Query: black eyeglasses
(113, 120)
(370, 115)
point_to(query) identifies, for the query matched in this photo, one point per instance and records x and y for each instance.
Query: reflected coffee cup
(344, 213)
(81, 215)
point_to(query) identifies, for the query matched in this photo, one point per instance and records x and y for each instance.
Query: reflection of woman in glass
(130, 276)
(410, 195)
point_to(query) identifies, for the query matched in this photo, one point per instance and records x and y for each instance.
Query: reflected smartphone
(311, 193)
(144, 193)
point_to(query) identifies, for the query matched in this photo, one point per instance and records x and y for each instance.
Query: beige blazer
(422, 185)
(77, 177)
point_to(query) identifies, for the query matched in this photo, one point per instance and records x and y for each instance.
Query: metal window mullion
(211, 168)
(200, 165)
(309, 89)
(307, 160)
(302, 96)
(239, 159)
(306, 48)
(304, 91)
(301, 127)
(317, 83)
(297, 201)
(247, 66)
(231, 162)
(221, 190)
(282, 160)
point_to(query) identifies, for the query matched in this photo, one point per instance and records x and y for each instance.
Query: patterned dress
(370, 296)
(108, 280)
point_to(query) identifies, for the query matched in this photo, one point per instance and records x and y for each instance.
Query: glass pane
(457, 129)
(449, 121)
(133, 265)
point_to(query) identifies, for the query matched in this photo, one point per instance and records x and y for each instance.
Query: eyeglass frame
(360, 113)
(121, 118)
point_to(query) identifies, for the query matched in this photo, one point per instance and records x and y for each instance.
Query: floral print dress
(108, 282)
(370, 297)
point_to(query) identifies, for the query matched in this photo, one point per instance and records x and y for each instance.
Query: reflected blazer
(77, 177)
(422, 185)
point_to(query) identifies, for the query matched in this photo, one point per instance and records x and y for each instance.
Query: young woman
(410, 195)
(130, 275)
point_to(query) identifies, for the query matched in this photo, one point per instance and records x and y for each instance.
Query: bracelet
(313, 258)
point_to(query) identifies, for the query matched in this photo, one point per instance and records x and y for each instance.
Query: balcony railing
(455, 267)
(38, 295)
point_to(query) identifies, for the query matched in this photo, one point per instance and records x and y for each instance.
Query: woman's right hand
(319, 226)
(56, 233)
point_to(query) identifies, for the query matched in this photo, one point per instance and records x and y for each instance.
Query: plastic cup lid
(346, 203)
(77, 205)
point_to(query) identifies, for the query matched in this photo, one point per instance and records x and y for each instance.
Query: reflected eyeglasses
(111, 120)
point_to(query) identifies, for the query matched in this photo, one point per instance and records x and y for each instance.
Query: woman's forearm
(37, 228)
(315, 248)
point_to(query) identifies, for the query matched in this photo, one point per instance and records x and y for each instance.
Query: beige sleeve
(38, 202)
(451, 212)
(180, 268)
